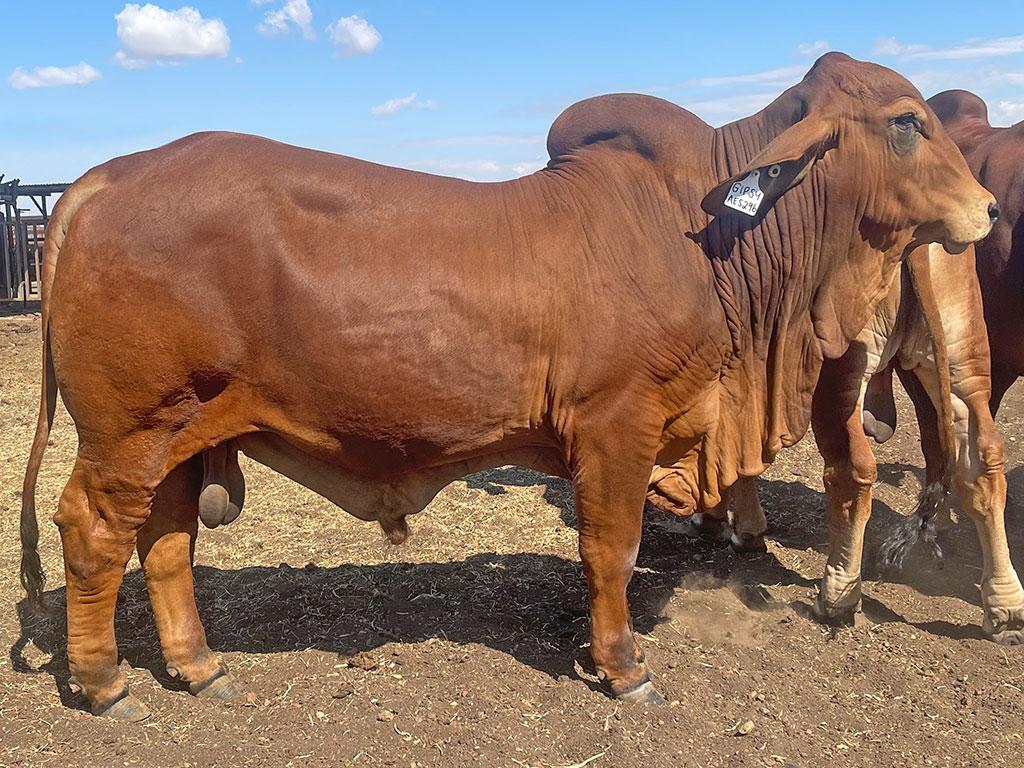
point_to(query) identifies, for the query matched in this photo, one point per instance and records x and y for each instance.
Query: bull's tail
(32, 576)
(905, 534)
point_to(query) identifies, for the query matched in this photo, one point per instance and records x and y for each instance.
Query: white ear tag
(745, 195)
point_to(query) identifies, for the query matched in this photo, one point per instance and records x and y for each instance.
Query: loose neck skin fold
(797, 282)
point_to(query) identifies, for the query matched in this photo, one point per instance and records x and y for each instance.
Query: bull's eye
(907, 122)
(904, 131)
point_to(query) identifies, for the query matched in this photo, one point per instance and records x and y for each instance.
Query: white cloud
(779, 77)
(47, 77)
(276, 22)
(987, 82)
(482, 140)
(482, 169)
(1006, 112)
(975, 48)
(354, 36)
(391, 106)
(150, 35)
(890, 46)
(812, 49)
(521, 169)
(729, 108)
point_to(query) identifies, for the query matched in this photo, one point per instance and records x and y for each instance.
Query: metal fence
(22, 237)
(22, 258)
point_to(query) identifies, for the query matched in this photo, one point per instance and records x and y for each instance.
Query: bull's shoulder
(647, 125)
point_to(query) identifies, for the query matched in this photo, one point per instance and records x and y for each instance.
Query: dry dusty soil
(467, 644)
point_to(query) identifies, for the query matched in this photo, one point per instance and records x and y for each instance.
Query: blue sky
(460, 88)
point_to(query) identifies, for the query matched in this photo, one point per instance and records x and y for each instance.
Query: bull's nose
(993, 212)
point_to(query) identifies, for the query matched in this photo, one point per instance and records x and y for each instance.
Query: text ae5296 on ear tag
(745, 195)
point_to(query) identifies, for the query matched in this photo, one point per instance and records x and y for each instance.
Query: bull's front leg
(610, 477)
(166, 545)
(981, 486)
(984, 497)
(849, 474)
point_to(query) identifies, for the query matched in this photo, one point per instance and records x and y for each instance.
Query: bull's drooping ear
(776, 168)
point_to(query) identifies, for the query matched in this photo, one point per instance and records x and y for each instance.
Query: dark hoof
(224, 687)
(645, 694)
(1008, 637)
(747, 544)
(127, 709)
(1004, 626)
(701, 525)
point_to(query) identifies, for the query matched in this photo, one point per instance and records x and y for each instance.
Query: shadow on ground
(529, 606)
(13, 308)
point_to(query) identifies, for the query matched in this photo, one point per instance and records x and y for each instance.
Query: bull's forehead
(836, 74)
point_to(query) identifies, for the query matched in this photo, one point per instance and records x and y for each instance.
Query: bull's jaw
(928, 234)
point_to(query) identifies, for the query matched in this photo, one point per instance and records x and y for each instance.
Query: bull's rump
(344, 304)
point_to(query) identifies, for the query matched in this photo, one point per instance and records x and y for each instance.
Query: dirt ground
(467, 645)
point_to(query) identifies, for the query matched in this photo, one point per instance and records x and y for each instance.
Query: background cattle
(970, 455)
(995, 156)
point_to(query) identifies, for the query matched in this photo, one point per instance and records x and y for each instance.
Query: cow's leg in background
(738, 518)
(1002, 380)
(712, 523)
(850, 472)
(931, 442)
(981, 485)
(610, 478)
(98, 520)
(746, 517)
(166, 545)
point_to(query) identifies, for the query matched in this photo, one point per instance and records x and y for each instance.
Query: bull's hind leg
(98, 521)
(166, 545)
(850, 472)
(610, 479)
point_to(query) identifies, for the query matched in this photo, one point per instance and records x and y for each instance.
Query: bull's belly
(385, 495)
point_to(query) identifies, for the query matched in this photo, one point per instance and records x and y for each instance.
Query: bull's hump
(645, 124)
(956, 105)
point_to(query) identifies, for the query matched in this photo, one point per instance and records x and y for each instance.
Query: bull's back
(1000, 257)
(325, 294)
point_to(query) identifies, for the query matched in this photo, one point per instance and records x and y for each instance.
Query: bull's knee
(87, 554)
(847, 479)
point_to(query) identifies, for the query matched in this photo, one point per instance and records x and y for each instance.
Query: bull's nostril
(993, 212)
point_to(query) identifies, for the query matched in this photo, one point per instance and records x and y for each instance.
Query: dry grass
(466, 645)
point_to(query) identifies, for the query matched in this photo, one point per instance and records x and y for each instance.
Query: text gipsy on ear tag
(745, 195)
